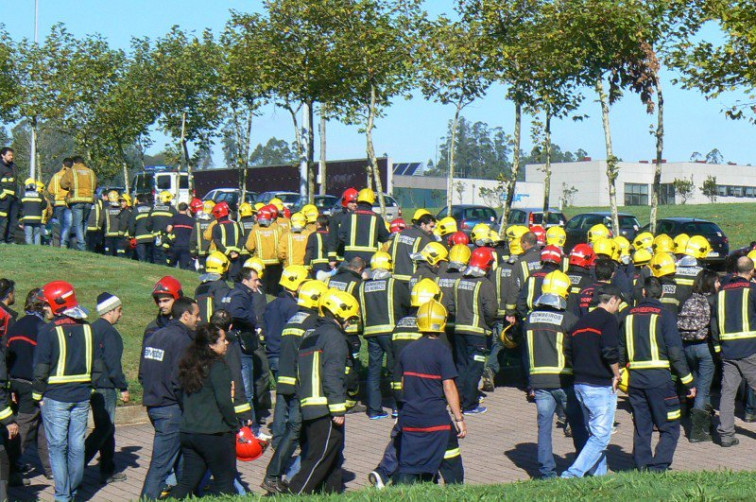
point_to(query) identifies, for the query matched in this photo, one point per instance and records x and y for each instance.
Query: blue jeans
(62, 215)
(598, 404)
(165, 448)
(377, 346)
(33, 234)
(79, 218)
(65, 428)
(701, 363)
(287, 424)
(546, 403)
(248, 378)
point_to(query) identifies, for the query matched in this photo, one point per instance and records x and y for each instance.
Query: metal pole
(33, 163)
(305, 153)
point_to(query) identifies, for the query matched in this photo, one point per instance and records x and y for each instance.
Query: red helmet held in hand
(482, 258)
(248, 447)
(220, 210)
(459, 238)
(582, 255)
(350, 195)
(168, 285)
(397, 225)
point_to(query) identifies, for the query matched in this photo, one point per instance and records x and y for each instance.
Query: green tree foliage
(684, 188)
(275, 151)
(480, 151)
(709, 188)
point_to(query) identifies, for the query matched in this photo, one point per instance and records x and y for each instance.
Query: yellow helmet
(431, 317)
(217, 263)
(165, 196)
(275, 201)
(293, 276)
(698, 247)
(507, 337)
(41, 186)
(642, 257)
(30, 181)
(207, 207)
(311, 213)
(481, 233)
(644, 240)
(434, 253)
(366, 195)
(258, 206)
(341, 305)
(381, 260)
(494, 236)
(514, 234)
(556, 236)
(624, 383)
(605, 247)
(663, 243)
(255, 264)
(663, 264)
(556, 283)
(245, 210)
(419, 213)
(599, 231)
(623, 248)
(298, 220)
(126, 198)
(424, 291)
(460, 253)
(681, 242)
(113, 197)
(310, 293)
(446, 226)
(752, 255)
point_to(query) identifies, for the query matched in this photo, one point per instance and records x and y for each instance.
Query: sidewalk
(500, 447)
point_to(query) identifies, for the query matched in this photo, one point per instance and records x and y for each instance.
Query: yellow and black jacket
(504, 281)
(140, 224)
(6, 413)
(33, 206)
(316, 252)
(650, 345)
(411, 240)
(161, 216)
(263, 243)
(228, 236)
(209, 295)
(580, 278)
(383, 301)
(96, 217)
(59, 193)
(447, 281)
(672, 296)
(526, 264)
(687, 270)
(112, 218)
(291, 338)
(733, 321)
(199, 246)
(361, 233)
(531, 290)
(404, 333)
(547, 340)
(349, 281)
(292, 247)
(475, 306)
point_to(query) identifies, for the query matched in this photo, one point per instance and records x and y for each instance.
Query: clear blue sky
(411, 129)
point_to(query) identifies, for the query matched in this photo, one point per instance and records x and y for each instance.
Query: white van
(155, 179)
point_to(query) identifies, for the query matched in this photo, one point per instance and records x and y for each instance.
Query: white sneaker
(263, 437)
(376, 480)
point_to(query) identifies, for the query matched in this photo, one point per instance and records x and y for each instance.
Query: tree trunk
(452, 148)
(515, 168)
(547, 179)
(611, 161)
(371, 153)
(125, 167)
(659, 153)
(323, 164)
(310, 153)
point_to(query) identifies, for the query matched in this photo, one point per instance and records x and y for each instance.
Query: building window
(667, 194)
(636, 194)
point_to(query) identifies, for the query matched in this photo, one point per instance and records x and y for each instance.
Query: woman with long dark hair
(208, 424)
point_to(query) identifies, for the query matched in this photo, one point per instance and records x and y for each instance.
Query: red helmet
(287, 213)
(196, 205)
(552, 254)
(582, 255)
(220, 210)
(273, 211)
(168, 285)
(248, 447)
(350, 195)
(540, 233)
(397, 225)
(459, 238)
(482, 258)
(61, 297)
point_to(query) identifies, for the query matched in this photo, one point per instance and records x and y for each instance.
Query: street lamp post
(33, 155)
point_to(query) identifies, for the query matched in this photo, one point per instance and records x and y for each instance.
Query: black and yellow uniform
(161, 216)
(33, 206)
(410, 241)
(112, 229)
(228, 238)
(651, 345)
(504, 281)
(475, 308)
(336, 248)
(580, 278)
(6, 418)
(316, 252)
(424, 270)
(126, 213)
(526, 264)
(362, 232)
(8, 201)
(247, 223)
(672, 297)
(209, 295)
(546, 339)
(200, 247)
(589, 302)
(140, 229)
(688, 269)
(641, 274)
(322, 362)
(404, 333)
(447, 280)
(95, 223)
(531, 290)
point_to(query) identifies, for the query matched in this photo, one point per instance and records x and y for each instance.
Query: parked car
(324, 203)
(230, 196)
(720, 244)
(578, 226)
(288, 198)
(154, 179)
(469, 215)
(393, 211)
(534, 216)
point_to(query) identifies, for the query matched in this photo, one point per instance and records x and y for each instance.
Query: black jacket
(362, 232)
(316, 252)
(580, 278)
(209, 296)
(411, 240)
(210, 410)
(240, 304)
(21, 341)
(547, 341)
(731, 333)
(277, 314)
(475, 306)
(382, 303)
(140, 224)
(8, 180)
(111, 352)
(158, 371)
(291, 338)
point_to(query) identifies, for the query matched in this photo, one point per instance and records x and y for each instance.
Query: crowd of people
(442, 308)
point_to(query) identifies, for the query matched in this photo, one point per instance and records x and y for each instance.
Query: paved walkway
(500, 447)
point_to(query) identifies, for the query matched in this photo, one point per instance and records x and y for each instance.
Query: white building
(735, 183)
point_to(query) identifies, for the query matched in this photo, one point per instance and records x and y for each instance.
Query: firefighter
(126, 212)
(641, 260)
(322, 361)
(228, 238)
(166, 291)
(444, 228)
(33, 208)
(200, 246)
(500, 249)
(688, 266)
(213, 287)
(140, 230)
(540, 234)
(383, 301)
(161, 216)
(81, 183)
(598, 231)
(316, 251)
(459, 258)
(604, 271)
(551, 259)
(311, 213)
(582, 260)
(410, 241)
(664, 268)
(283, 215)
(644, 240)
(429, 439)
(246, 217)
(458, 238)
(475, 307)
(348, 206)
(112, 225)
(292, 245)
(180, 239)
(556, 236)
(7, 314)
(527, 262)
(262, 242)
(625, 273)
(550, 382)
(481, 235)
(663, 243)
(8, 196)
(61, 211)
(734, 314)
(681, 242)
(651, 345)
(95, 223)
(362, 232)
(429, 262)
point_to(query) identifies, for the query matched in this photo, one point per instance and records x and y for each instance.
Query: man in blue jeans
(595, 363)
(81, 183)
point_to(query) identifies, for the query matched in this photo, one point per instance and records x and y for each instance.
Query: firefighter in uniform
(287, 408)
(459, 258)
(283, 215)
(546, 341)
(475, 307)
(582, 260)
(383, 301)
(322, 361)
(228, 238)
(213, 288)
(349, 205)
(429, 262)
(311, 213)
(292, 246)
(688, 266)
(551, 259)
(445, 227)
(664, 268)
(262, 242)
(140, 230)
(556, 236)
(81, 183)
(95, 230)
(161, 216)
(625, 273)
(362, 232)
(527, 262)
(734, 338)
(180, 238)
(410, 241)
(111, 218)
(8, 196)
(651, 345)
(200, 247)
(126, 212)
(316, 252)
(61, 211)
(663, 243)
(642, 260)
(644, 240)
(33, 208)
(246, 217)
